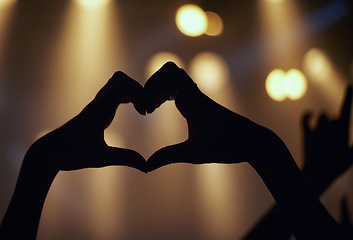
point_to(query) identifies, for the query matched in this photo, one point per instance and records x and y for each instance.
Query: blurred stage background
(56, 55)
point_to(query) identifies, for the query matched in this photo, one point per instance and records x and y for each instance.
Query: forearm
(306, 215)
(272, 224)
(23, 214)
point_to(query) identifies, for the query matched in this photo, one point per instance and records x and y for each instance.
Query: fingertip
(140, 108)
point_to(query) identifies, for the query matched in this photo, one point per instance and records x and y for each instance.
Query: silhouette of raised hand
(326, 147)
(327, 155)
(77, 144)
(218, 135)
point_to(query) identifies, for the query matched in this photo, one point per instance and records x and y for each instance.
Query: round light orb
(274, 85)
(210, 71)
(317, 64)
(158, 59)
(294, 84)
(215, 24)
(191, 20)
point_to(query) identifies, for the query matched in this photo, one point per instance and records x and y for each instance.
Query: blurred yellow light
(92, 4)
(191, 20)
(157, 61)
(317, 64)
(274, 85)
(6, 2)
(281, 84)
(209, 70)
(294, 84)
(215, 24)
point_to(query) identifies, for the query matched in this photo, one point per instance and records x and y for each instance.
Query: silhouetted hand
(80, 142)
(327, 153)
(219, 135)
(216, 134)
(77, 144)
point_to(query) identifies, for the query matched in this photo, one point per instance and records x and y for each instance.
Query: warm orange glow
(157, 61)
(274, 85)
(191, 20)
(6, 12)
(215, 24)
(92, 4)
(317, 64)
(210, 71)
(321, 71)
(4, 3)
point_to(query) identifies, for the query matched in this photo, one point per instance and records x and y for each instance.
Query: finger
(124, 89)
(119, 89)
(161, 86)
(305, 122)
(168, 155)
(134, 93)
(185, 152)
(323, 122)
(122, 157)
(345, 114)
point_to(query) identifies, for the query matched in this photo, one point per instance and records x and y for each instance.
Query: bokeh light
(191, 20)
(158, 59)
(294, 84)
(317, 64)
(6, 2)
(92, 4)
(281, 84)
(274, 85)
(215, 24)
(210, 71)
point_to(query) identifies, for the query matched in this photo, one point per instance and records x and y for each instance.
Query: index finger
(161, 86)
(121, 89)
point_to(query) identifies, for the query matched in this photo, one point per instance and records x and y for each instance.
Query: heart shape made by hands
(215, 134)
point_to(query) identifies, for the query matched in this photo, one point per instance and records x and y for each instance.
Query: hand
(80, 142)
(216, 134)
(327, 153)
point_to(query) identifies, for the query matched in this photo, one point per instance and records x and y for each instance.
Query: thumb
(113, 156)
(185, 152)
